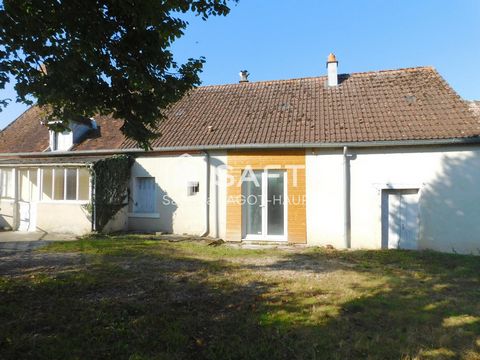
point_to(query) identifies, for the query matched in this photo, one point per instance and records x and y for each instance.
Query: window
(28, 189)
(71, 184)
(61, 141)
(144, 195)
(55, 141)
(193, 187)
(6, 184)
(65, 184)
(83, 184)
(47, 190)
(58, 184)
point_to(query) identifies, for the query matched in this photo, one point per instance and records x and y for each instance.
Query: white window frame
(19, 179)
(152, 215)
(11, 184)
(64, 200)
(264, 205)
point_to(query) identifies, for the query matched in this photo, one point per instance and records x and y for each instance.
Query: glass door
(265, 205)
(252, 197)
(275, 203)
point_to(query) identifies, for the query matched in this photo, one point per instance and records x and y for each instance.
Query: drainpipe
(346, 198)
(207, 194)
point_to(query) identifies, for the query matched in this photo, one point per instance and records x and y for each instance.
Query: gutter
(207, 195)
(335, 145)
(42, 165)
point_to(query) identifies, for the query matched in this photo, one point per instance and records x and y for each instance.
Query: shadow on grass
(427, 306)
(165, 303)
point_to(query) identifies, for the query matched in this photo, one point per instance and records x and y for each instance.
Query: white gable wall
(448, 179)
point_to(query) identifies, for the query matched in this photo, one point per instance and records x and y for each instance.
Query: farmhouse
(385, 159)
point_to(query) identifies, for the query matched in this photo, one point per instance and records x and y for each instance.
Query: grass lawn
(139, 298)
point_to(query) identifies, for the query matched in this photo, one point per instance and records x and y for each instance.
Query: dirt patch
(24, 263)
(292, 265)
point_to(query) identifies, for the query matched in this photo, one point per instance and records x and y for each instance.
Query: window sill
(144, 215)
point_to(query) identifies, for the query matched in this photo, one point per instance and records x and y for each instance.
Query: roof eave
(360, 144)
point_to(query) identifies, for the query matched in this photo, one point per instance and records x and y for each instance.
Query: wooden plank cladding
(293, 162)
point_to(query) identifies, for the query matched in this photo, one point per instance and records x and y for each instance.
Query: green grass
(133, 297)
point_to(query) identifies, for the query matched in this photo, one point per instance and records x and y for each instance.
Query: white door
(24, 215)
(401, 207)
(27, 204)
(264, 210)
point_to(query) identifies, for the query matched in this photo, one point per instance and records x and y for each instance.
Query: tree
(89, 57)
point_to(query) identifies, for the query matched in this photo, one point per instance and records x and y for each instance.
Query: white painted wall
(6, 213)
(119, 222)
(65, 217)
(324, 184)
(448, 179)
(218, 195)
(176, 211)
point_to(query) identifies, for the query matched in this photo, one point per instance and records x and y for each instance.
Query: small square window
(193, 188)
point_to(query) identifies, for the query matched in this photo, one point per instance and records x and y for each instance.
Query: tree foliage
(89, 57)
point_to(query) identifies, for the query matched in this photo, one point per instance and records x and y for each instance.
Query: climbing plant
(110, 187)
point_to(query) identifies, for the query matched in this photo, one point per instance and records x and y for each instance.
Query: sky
(282, 39)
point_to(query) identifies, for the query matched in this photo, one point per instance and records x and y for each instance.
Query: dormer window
(54, 146)
(61, 141)
(77, 131)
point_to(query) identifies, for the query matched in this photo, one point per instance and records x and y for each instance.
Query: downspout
(207, 194)
(346, 198)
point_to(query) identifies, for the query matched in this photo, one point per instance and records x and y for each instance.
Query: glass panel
(71, 184)
(252, 197)
(275, 200)
(59, 189)
(24, 190)
(6, 184)
(83, 184)
(47, 184)
(33, 185)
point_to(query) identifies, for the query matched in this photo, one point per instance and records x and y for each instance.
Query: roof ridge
(413, 68)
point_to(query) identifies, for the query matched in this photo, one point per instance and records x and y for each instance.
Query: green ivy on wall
(110, 178)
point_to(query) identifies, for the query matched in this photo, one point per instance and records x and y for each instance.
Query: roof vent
(243, 76)
(332, 70)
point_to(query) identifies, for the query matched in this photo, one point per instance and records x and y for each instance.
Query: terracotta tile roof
(25, 134)
(474, 107)
(51, 160)
(404, 104)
